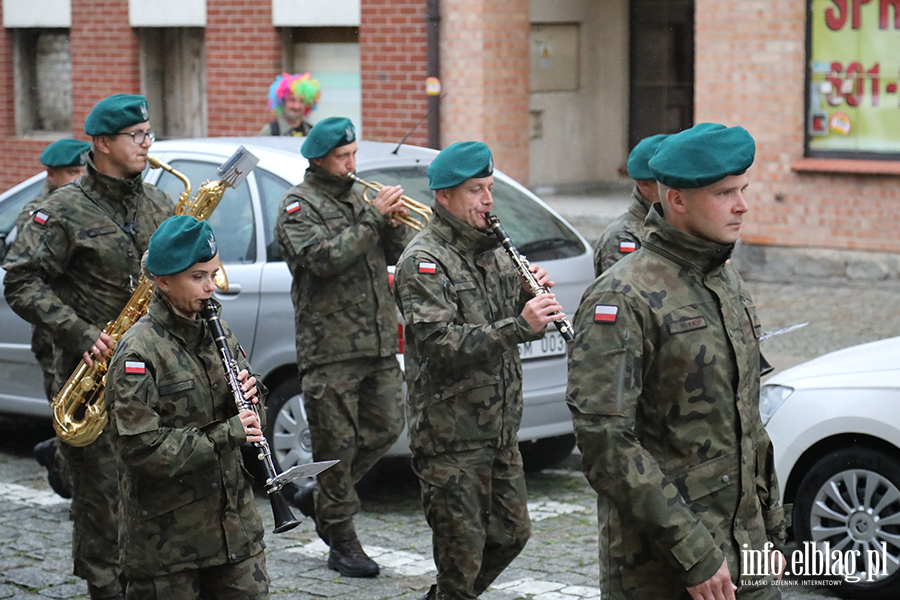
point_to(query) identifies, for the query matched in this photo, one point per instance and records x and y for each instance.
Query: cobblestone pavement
(560, 561)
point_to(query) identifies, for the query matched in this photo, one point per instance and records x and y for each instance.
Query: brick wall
(750, 71)
(243, 56)
(485, 70)
(392, 48)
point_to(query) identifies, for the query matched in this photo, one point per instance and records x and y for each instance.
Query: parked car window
(533, 229)
(232, 221)
(271, 190)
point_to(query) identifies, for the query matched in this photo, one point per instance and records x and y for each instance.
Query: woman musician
(188, 524)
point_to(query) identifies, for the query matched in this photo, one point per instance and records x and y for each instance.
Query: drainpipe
(433, 56)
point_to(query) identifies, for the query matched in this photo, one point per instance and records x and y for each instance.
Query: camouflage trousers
(42, 348)
(475, 503)
(355, 414)
(95, 494)
(244, 580)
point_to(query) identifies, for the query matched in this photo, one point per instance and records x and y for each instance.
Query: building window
(331, 56)
(852, 83)
(173, 78)
(43, 76)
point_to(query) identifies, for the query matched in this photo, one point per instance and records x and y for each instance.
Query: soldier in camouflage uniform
(72, 269)
(188, 527)
(466, 310)
(338, 248)
(623, 236)
(64, 160)
(664, 391)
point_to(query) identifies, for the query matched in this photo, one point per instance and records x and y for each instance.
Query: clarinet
(521, 264)
(284, 519)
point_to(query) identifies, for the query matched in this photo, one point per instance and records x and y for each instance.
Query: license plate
(552, 344)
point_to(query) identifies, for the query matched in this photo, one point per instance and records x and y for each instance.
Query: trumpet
(412, 205)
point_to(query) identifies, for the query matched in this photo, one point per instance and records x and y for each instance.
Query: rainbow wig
(300, 86)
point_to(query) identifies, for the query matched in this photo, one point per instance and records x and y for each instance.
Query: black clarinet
(521, 263)
(284, 519)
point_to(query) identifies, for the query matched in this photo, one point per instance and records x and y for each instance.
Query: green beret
(702, 155)
(65, 153)
(115, 113)
(641, 155)
(178, 244)
(326, 135)
(459, 162)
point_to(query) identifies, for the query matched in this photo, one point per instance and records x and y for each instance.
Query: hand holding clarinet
(543, 308)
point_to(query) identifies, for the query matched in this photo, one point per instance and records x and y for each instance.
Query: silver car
(258, 304)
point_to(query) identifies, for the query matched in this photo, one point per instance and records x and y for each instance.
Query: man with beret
(338, 248)
(465, 311)
(623, 235)
(189, 527)
(64, 160)
(72, 269)
(664, 391)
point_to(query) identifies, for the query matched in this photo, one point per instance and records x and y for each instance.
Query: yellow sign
(854, 76)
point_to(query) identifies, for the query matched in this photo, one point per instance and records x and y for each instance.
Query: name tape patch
(605, 313)
(181, 386)
(687, 325)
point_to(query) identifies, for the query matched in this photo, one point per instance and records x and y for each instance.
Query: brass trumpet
(410, 204)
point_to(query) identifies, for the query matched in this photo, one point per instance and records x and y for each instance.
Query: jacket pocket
(157, 496)
(707, 478)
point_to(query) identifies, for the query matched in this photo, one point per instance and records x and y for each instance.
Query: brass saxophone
(79, 410)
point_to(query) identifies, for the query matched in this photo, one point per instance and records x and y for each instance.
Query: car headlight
(771, 397)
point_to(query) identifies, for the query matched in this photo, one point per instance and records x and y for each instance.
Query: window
(853, 79)
(43, 76)
(232, 221)
(173, 79)
(533, 229)
(271, 190)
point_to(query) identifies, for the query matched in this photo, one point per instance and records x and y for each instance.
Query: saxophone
(79, 410)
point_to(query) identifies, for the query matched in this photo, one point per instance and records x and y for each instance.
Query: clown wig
(300, 86)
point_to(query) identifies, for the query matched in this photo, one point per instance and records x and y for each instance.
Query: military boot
(48, 456)
(349, 559)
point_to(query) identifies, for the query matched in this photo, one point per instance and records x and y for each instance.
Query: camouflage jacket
(461, 300)
(338, 249)
(74, 265)
(623, 235)
(664, 394)
(186, 499)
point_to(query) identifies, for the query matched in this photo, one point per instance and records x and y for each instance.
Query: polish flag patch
(626, 246)
(40, 218)
(605, 313)
(135, 367)
(427, 267)
(293, 207)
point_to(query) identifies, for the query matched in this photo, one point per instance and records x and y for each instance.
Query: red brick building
(560, 89)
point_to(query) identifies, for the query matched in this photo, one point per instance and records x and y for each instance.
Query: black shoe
(45, 453)
(431, 594)
(349, 559)
(305, 500)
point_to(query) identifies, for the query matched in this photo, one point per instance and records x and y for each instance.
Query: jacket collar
(692, 252)
(191, 332)
(332, 185)
(112, 189)
(460, 234)
(641, 206)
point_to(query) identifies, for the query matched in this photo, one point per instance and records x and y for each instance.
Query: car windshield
(535, 231)
(13, 205)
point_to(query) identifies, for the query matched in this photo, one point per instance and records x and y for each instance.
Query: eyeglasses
(138, 137)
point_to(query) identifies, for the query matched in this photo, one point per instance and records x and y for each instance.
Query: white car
(835, 425)
(258, 305)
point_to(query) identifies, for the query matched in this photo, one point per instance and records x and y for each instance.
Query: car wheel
(851, 500)
(546, 453)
